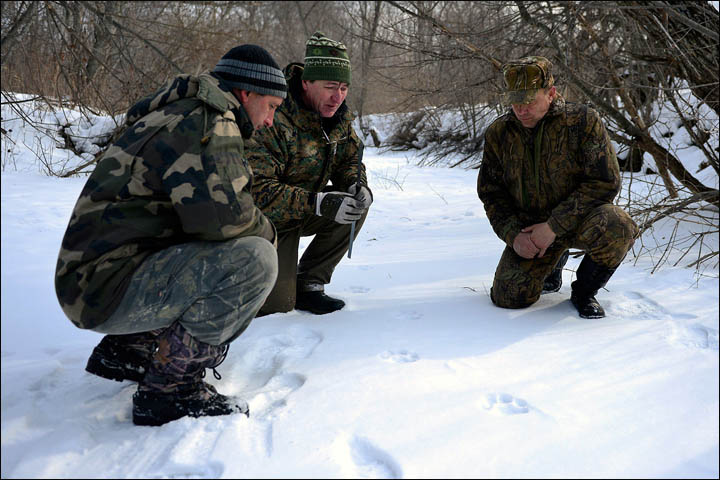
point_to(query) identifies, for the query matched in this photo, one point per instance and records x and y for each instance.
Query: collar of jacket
(302, 117)
(214, 92)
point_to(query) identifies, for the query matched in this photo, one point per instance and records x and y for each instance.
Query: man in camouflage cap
(548, 178)
(311, 144)
(165, 251)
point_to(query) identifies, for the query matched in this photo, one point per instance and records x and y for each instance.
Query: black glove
(363, 195)
(340, 207)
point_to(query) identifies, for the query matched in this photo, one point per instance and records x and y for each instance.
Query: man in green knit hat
(308, 177)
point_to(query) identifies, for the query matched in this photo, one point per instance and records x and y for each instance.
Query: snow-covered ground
(419, 376)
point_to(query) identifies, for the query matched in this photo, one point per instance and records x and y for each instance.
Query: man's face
(530, 114)
(324, 96)
(260, 108)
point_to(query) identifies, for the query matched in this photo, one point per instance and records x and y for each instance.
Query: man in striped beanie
(250, 70)
(166, 253)
(309, 178)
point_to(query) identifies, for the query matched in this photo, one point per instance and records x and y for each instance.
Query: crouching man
(311, 144)
(165, 251)
(548, 178)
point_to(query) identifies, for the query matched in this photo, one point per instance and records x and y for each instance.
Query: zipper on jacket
(536, 157)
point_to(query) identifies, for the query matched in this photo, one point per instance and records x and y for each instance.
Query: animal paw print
(505, 404)
(399, 356)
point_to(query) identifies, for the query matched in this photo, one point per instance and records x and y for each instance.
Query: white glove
(340, 207)
(363, 195)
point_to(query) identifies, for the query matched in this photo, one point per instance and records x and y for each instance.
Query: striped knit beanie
(326, 59)
(252, 68)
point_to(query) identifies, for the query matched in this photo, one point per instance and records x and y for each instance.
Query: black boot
(173, 386)
(317, 302)
(591, 277)
(553, 282)
(122, 357)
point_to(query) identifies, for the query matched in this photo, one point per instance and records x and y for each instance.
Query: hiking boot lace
(220, 359)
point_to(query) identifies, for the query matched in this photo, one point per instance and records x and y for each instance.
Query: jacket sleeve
(268, 152)
(210, 189)
(600, 181)
(499, 205)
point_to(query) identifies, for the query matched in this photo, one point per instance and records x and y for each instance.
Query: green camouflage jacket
(556, 172)
(296, 158)
(177, 174)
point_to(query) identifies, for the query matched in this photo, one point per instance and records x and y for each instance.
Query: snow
(419, 376)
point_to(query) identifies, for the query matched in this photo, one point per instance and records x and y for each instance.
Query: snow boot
(591, 277)
(173, 385)
(553, 282)
(317, 302)
(122, 357)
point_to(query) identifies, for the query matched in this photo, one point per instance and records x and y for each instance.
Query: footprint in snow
(261, 375)
(399, 356)
(505, 404)
(694, 336)
(359, 458)
(641, 307)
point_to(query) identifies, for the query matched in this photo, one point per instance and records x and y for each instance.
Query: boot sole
(147, 411)
(551, 291)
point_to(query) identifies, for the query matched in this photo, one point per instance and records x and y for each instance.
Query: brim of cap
(521, 96)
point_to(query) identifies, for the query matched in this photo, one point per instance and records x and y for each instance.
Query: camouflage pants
(214, 289)
(317, 264)
(606, 234)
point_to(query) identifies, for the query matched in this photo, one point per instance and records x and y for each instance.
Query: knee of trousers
(607, 234)
(512, 295)
(254, 260)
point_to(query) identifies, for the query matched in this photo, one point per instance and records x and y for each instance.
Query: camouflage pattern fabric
(295, 158)
(605, 235)
(557, 172)
(180, 362)
(524, 77)
(564, 172)
(177, 174)
(213, 288)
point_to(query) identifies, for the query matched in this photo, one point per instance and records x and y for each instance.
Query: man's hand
(340, 207)
(524, 247)
(541, 235)
(362, 195)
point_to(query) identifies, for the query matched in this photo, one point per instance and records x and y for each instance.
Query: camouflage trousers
(317, 264)
(606, 235)
(214, 289)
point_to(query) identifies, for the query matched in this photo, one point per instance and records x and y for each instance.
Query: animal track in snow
(359, 458)
(399, 356)
(504, 403)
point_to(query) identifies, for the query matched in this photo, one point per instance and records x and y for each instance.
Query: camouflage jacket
(556, 172)
(296, 157)
(175, 175)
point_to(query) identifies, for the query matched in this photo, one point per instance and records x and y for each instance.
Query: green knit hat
(326, 59)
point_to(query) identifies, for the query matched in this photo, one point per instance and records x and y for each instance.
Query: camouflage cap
(524, 77)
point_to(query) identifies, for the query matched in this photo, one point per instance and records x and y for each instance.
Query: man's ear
(243, 95)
